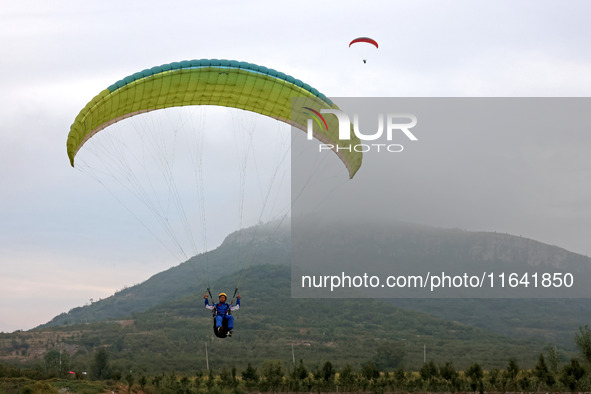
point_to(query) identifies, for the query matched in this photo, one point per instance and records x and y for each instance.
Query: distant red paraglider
(364, 39)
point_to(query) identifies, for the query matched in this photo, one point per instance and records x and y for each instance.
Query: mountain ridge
(270, 244)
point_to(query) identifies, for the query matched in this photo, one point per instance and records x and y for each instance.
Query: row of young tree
(547, 375)
(274, 376)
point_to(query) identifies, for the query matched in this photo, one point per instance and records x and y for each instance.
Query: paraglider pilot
(223, 312)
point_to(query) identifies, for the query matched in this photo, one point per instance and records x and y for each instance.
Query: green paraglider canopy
(227, 83)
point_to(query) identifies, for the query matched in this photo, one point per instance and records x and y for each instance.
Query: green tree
(143, 381)
(129, 378)
(250, 374)
(583, 341)
(185, 384)
(370, 371)
(327, 373)
(228, 377)
(542, 372)
(475, 374)
(210, 381)
(300, 372)
(494, 377)
(347, 378)
(571, 374)
(298, 376)
(512, 368)
(390, 355)
(553, 358)
(100, 368)
(56, 363)
(400, 378)
(429, 371)
(198, 378)
(156, 381)
(449, 373)
(273, 373)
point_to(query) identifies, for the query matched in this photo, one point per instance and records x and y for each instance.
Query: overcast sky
(64, 239)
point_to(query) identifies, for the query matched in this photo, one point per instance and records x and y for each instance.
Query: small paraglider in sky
(364, 40)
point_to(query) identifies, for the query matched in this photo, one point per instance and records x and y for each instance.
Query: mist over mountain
(413, 242)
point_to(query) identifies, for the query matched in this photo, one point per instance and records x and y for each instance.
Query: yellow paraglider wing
(225, 83)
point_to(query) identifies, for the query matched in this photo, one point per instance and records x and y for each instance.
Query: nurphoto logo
(395, 123)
